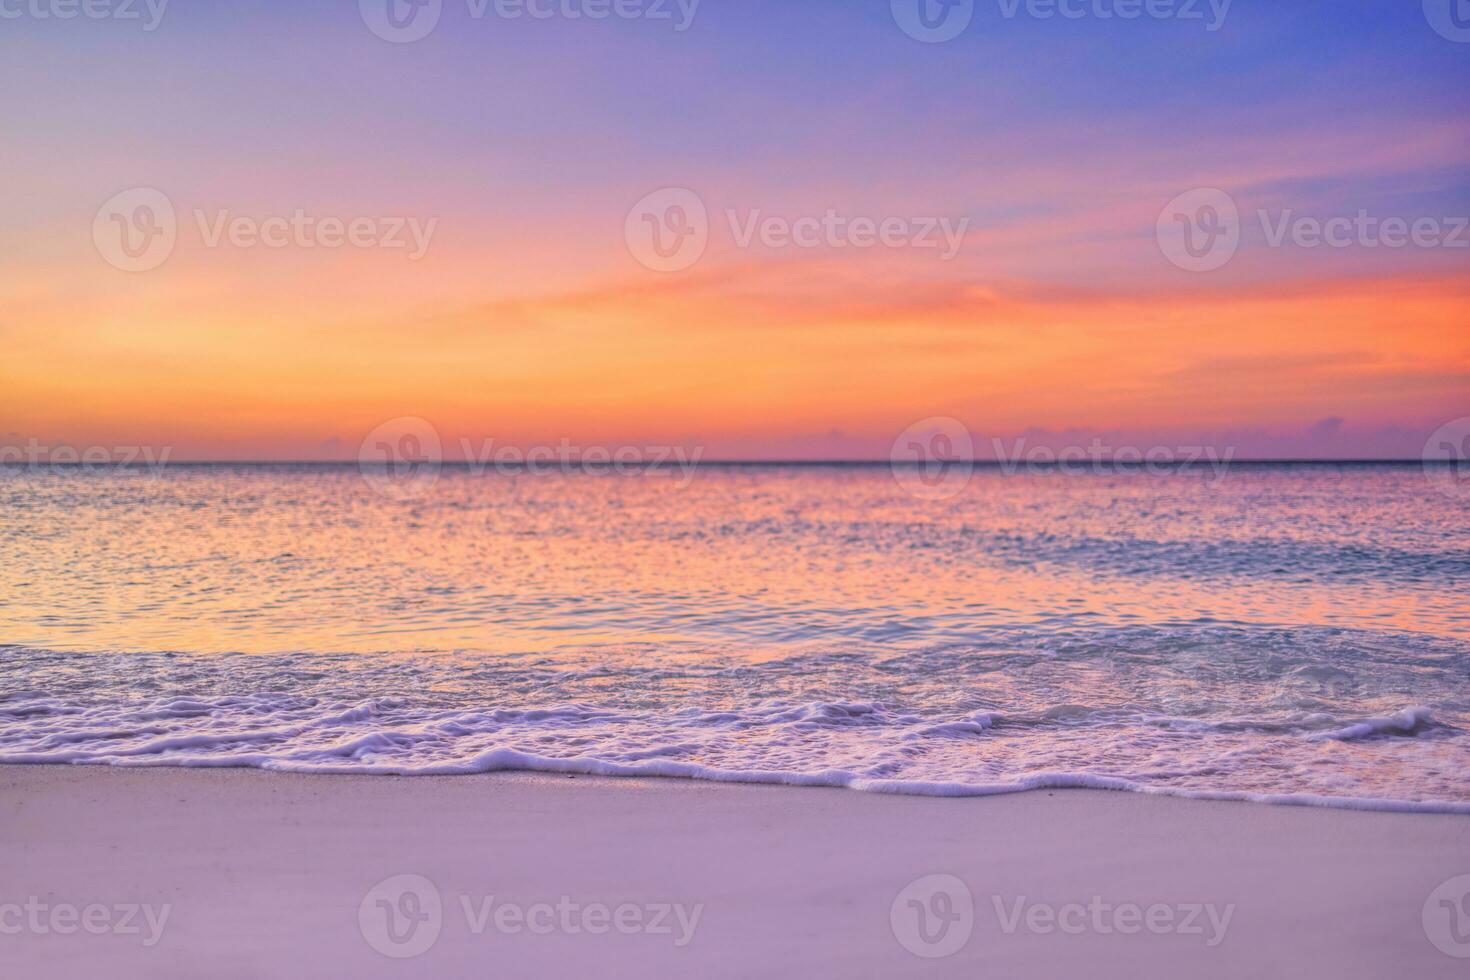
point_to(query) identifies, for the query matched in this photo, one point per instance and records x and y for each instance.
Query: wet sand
(240, 873)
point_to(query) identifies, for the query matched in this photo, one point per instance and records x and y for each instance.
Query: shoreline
(506, 761)
(284, 874)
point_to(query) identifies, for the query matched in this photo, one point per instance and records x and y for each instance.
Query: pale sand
(265, 874)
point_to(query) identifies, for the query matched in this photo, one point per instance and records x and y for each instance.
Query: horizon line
(1000, 463)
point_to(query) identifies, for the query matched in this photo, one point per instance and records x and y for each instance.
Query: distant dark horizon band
(905, 464)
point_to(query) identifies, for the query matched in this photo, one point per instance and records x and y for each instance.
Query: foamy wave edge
(512, 760)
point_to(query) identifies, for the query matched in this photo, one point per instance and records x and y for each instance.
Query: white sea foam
(1404, 722)
(868, 745)
(330, 762)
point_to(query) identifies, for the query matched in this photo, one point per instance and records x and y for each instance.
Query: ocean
(1294, 633)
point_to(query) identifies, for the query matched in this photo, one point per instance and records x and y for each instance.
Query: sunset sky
(529, 318)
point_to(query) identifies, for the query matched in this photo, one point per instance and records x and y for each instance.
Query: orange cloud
(757, 355)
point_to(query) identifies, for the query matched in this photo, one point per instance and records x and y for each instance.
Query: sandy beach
(230, 873)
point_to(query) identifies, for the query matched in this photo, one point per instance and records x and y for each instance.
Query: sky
(179, 184)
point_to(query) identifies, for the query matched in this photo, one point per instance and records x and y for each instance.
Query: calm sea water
(1275, 631)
